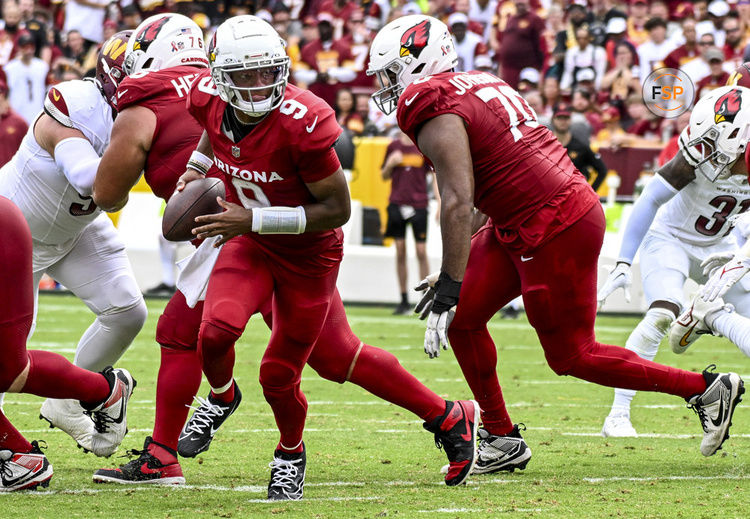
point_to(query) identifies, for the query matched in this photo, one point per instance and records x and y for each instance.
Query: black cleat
(200, 429)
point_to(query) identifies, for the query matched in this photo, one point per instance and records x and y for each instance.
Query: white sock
(224, 388)
(733, 326)
(644, 340)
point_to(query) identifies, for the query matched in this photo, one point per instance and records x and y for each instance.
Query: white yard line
(666, 478)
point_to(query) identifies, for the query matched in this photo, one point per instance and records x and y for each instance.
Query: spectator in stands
(584, 55)
(622, 80)
(700, 12)
(362, 105)
(358, 40)
(528, 80)
(521, 44)
(654, 50)
(36, 21)
(534, 99)
(637, 18)
(717, 76)
(582, 105)
(10, 32)
(577, 17)
(550, 92)
(74, 53)
(87, 17)
(346, 115)
(717, 11)
(340, 11)
(482, 12)
(660, 9)
(617, 29)
(612, 135)
(734, 43)
(688, 51)
(485, 64)
(12, 127)
(26, 78)
(554, 25)
(324, 59)
(404, 165)
(131, 17)
(698, 68)
(647, 127)
(468, 45)
(580, 152)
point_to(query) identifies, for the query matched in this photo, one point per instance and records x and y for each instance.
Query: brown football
(197, 199)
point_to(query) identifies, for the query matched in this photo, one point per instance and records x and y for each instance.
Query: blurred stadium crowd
(585, 57)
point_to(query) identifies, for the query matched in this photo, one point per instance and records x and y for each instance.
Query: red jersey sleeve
(317, 132)
(422, 101)
(201, 92)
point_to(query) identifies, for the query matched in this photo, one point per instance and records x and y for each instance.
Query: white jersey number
(519, 111)
(247, 202)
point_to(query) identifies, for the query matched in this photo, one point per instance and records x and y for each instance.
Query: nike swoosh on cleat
(721, 416)
(467, 435)
(683, 339)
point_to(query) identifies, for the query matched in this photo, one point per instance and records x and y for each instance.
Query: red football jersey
(272, 164)
(523, 178)
(165, 92)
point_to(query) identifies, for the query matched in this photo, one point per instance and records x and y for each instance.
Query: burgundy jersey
(523, 178)
(291, 147)
(409, 178)
(165, 92)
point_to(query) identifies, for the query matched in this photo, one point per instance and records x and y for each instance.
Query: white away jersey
(699, 213)
(55, 211)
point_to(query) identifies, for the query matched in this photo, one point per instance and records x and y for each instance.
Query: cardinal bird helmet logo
(414, 40)
(727, 106)
(148, 34)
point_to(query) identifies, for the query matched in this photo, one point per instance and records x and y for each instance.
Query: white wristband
(199, 162)
(279, 220)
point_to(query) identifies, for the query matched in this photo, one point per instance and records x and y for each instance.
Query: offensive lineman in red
(542, 240)
(152, 133)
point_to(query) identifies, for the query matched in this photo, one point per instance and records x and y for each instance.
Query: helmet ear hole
(734, 133)
(418, 69)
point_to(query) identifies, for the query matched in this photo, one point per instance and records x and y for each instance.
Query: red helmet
(741, 76)
(109, 71)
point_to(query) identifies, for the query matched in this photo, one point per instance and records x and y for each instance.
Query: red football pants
(558, 285)
(243, 278)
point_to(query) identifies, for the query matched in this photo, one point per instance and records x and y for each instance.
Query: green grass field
(368, 458)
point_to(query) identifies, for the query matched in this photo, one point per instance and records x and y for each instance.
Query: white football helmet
(248, 43)
(407, 49)
(163, 41)
(719, 130)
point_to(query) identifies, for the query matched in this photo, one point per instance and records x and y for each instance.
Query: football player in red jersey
(153, 134)
(287, 197)
(152, 105)
(542, 240)
(42, 373)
